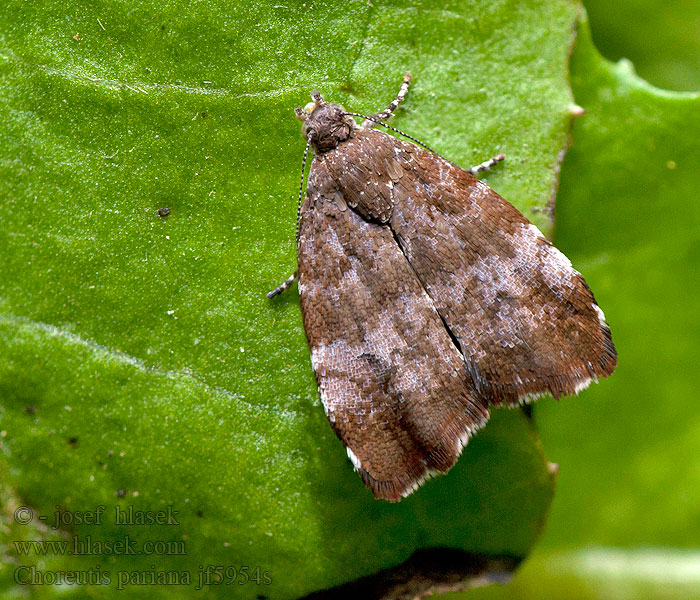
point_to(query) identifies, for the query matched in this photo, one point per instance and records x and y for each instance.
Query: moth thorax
(328, 126)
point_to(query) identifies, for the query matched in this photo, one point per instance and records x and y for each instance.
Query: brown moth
(427, 299)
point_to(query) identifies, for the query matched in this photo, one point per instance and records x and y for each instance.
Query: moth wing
(392, 382)
(526, 321)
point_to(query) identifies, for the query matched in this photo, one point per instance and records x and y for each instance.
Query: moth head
(326, 125)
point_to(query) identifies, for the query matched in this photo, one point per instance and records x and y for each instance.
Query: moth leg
(280, 288)
(388, 112)
(487, 164)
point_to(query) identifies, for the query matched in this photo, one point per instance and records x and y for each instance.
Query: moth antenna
(410, 137)
(301, 186)
(388, 112)
(281, 288)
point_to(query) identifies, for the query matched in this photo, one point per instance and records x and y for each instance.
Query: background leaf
(660, 38)
(625, 522)
(140, 362)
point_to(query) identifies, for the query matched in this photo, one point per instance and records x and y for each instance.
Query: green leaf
(625, 521)
(659, 37)
(628, 215)
(140, 362)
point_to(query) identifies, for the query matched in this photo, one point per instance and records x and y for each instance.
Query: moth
(427, 299)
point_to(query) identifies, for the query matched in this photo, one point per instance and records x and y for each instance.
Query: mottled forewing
(392, 382)
(525, 320)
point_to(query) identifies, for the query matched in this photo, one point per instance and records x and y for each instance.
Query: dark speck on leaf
(163, 211)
